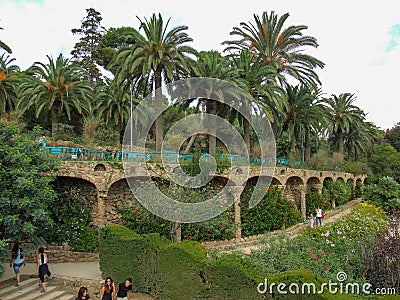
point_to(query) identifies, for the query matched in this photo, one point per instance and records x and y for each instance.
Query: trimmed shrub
(273, 212)
(175, 271)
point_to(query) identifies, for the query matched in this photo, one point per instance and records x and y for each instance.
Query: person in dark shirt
(83, 294)
(124, 290)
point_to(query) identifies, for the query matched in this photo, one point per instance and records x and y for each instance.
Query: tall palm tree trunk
(54, 120)
(246, 125)
(292, 153)
(212, 139)
(307, 146)
(159, 120)
(340, 138)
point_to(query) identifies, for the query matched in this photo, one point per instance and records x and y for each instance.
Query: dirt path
(251, 243)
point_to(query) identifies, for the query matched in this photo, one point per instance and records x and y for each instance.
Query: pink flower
(339, 232)
(327, 241)
(332, 245)
(353, 250)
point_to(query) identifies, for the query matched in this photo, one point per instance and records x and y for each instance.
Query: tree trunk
(118, 137)
(349, 152)
(212, 139)
(292, 154)
(340, 137)
(246, 125)
(176, 232)
(307, 146)
(190, 143)
(159, 120)
(54, 120)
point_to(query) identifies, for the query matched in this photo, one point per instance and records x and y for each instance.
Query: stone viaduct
(105, 183)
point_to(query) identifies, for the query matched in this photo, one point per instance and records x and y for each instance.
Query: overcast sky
(359, 40)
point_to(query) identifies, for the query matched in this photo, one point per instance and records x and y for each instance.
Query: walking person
(311, 221)
(83, 293)
(107, 291)
(17, 260)
(318, 212)
(124, 289)
(42, 268)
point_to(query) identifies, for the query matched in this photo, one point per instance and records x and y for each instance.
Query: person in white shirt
(318, 212)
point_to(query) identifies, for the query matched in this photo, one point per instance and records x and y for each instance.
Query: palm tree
(8, 75)
(314, 121)
(299, 101)
(342, 116)
(276, 45)
(252, 76)
(56, 86)
(211, 64)
(155, 54)
(359, 138)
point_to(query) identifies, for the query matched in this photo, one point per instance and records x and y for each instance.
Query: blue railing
(83, 153)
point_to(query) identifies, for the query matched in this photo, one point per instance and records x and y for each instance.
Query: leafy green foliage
(385, 193)
(383, 261)
(271, 213)
(73, 221)
(385, 161)
(138, 218)
(85, 51)
(314, 199)
(393, 136)
(327, 249)
(25, 191)
(175, 270)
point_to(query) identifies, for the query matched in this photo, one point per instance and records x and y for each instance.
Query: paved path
(88, 270)
(247, 245)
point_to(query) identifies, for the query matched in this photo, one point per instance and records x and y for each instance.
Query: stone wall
(62, 254)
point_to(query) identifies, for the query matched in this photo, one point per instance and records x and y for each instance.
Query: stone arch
(327, 181)
(85, 187)
(313, 183)
(340, 179)
(99, 168)
(358, 187)
(294, 191)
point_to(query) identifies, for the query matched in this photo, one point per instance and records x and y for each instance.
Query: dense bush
(337, 192)
(271, 213)
(383, 261)
(141, 220)
(72, 221)
(328, 249)
(315, 199)
(385, 194)
(175, 270)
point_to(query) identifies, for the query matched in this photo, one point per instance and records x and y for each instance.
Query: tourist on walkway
(17, 260)
(318, 216)
(107, 290)
(123, 291)
(42, 268)
(311, 220)
(83, 294)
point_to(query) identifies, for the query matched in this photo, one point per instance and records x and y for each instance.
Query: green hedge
(182, 271)
(174, 270)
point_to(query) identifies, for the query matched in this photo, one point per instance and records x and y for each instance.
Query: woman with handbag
(17, 260)
(43, 268)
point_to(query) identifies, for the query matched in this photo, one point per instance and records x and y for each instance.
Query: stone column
(303, 201)
(238, 223)
(99, 218)
(319, 188)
